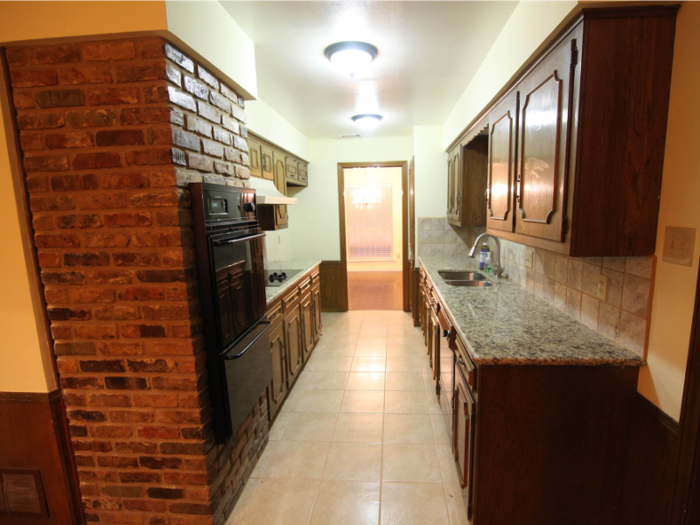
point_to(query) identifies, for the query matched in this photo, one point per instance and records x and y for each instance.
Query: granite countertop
(509, 325)
(273, 292)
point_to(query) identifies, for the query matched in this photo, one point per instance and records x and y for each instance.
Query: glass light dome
(351, 57)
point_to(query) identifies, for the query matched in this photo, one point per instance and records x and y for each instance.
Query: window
(369, 223)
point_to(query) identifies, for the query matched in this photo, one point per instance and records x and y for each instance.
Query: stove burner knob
(284, 275)
(273, 277)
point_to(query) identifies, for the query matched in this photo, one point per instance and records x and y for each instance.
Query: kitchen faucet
(497, 270)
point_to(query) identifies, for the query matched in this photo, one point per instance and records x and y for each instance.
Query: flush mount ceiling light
(367, 122)
(351, 57)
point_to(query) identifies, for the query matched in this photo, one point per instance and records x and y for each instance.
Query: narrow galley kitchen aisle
(360, 440)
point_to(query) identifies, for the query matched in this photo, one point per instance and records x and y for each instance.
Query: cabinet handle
(446, 333)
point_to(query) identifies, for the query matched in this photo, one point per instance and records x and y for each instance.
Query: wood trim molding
(31, 397)
(341, 212)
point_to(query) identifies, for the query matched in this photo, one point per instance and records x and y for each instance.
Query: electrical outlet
(529, 258)
(678, 245)
(602, 291)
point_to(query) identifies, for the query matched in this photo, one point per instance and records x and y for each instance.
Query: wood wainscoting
(651, 466)
(37, 455)
(334, 287)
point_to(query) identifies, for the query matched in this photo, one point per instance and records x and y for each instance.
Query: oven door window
(237, 288)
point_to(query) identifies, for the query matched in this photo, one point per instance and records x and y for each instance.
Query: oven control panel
(228, 203)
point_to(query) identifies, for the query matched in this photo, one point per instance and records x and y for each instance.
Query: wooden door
(267, 165)
(255, 157)
(277, 390)
(307, 327)
(463, 431)
(292, 343)
(542, 146)
(278, 160)
(501, 163)
(316, 304)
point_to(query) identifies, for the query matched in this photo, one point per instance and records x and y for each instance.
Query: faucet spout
(497, 270)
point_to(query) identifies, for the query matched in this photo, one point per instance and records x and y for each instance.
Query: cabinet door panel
(543, 123)
(281, 218)
(292, 343)
(255, 157)
(303, 173)
(463, 430)
(278, 385)
(307, 335)
(266, 163)
(292, 169)
(450, 185)
(501, 164)
(316, 293)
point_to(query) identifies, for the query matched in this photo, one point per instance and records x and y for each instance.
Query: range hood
(267, 193)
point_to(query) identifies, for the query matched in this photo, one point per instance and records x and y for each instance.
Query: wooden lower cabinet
(532, 444)
(277, 390)
(295, 330)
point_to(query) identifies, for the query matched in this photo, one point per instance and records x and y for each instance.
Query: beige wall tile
(561, 269)
(590, 279)
(575, 277)
(550, 262)
(615, 283)
(640, 266)
(573, 303)
(614, 263)
(609, 321)
(589, 311)
(633, 333)
(548, 290)
(635, 295)
(539, 261)
(560, 295)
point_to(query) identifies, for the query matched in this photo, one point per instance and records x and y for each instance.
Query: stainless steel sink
(461, 276)
(475, 284)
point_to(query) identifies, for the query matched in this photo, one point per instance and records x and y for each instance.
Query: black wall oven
(231, 276)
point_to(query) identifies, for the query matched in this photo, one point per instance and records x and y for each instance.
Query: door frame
(403, 164)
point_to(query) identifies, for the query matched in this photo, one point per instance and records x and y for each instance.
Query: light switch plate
(602, 290)
(679, 244)
(529, 257)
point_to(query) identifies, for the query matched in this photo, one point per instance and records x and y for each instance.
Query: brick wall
(111, 134)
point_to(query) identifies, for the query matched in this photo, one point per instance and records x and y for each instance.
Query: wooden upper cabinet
(279, 167)
(540, 192)
(266, 163)
(501, 163)
(255, 156)
(292, 169)
(303, 174)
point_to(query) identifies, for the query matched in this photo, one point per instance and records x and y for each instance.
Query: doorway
(373, 224)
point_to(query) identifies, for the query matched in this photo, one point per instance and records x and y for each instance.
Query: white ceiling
(428, 52)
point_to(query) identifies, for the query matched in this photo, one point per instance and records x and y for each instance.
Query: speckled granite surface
(508, 325)
(273, 292)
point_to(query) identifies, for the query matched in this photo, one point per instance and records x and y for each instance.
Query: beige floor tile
(280, 425)
(264, 460)
(354, 462)
(346, 503)
(455, 505)
(341, 339)
(331, 364)
(403, 364)
(405, 381)
(293, 500)
(410, 463)
(326, 380)
(405, 402)
(365, 381)
(320, 401)
(440, 430)
(297, 459)
(333, 350)
(358, 428)
(413, 504)
(372, 340)
(448, 468)
(310, 427)
(403, 351)
(242, 503)
(406, 428)
(368, 364)
(363, 401)
(363, 350)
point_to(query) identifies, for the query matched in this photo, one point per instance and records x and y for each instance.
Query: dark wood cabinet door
(450, 186)
(463, 432)
(277, 390)
(307, 327)
(316, 304)
(542, 146)
(292, 343)
(267, 166)
(434, 343)
(281, 218)
(501, 163)
(457, 185)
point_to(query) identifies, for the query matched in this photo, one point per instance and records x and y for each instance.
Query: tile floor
(360, 439)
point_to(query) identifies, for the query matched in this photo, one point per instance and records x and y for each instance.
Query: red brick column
(111, 134)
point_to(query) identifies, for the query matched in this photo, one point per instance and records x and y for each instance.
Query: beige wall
(391, 177)
(269, 124)
(25, 361)
(674, 293)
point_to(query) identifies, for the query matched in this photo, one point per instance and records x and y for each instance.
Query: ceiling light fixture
(351, 57)
(367, 122)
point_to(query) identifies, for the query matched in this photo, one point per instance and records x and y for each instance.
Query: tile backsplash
(571, 284)
(437, 237)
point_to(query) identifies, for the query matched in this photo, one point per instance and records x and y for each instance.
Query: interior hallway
(375, 290)
(360, 439)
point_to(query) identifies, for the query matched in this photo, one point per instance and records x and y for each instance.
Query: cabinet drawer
(291, 299)
(305, 286)
(292, 169)
(303, 173)
(465, 363)
(274, 314)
